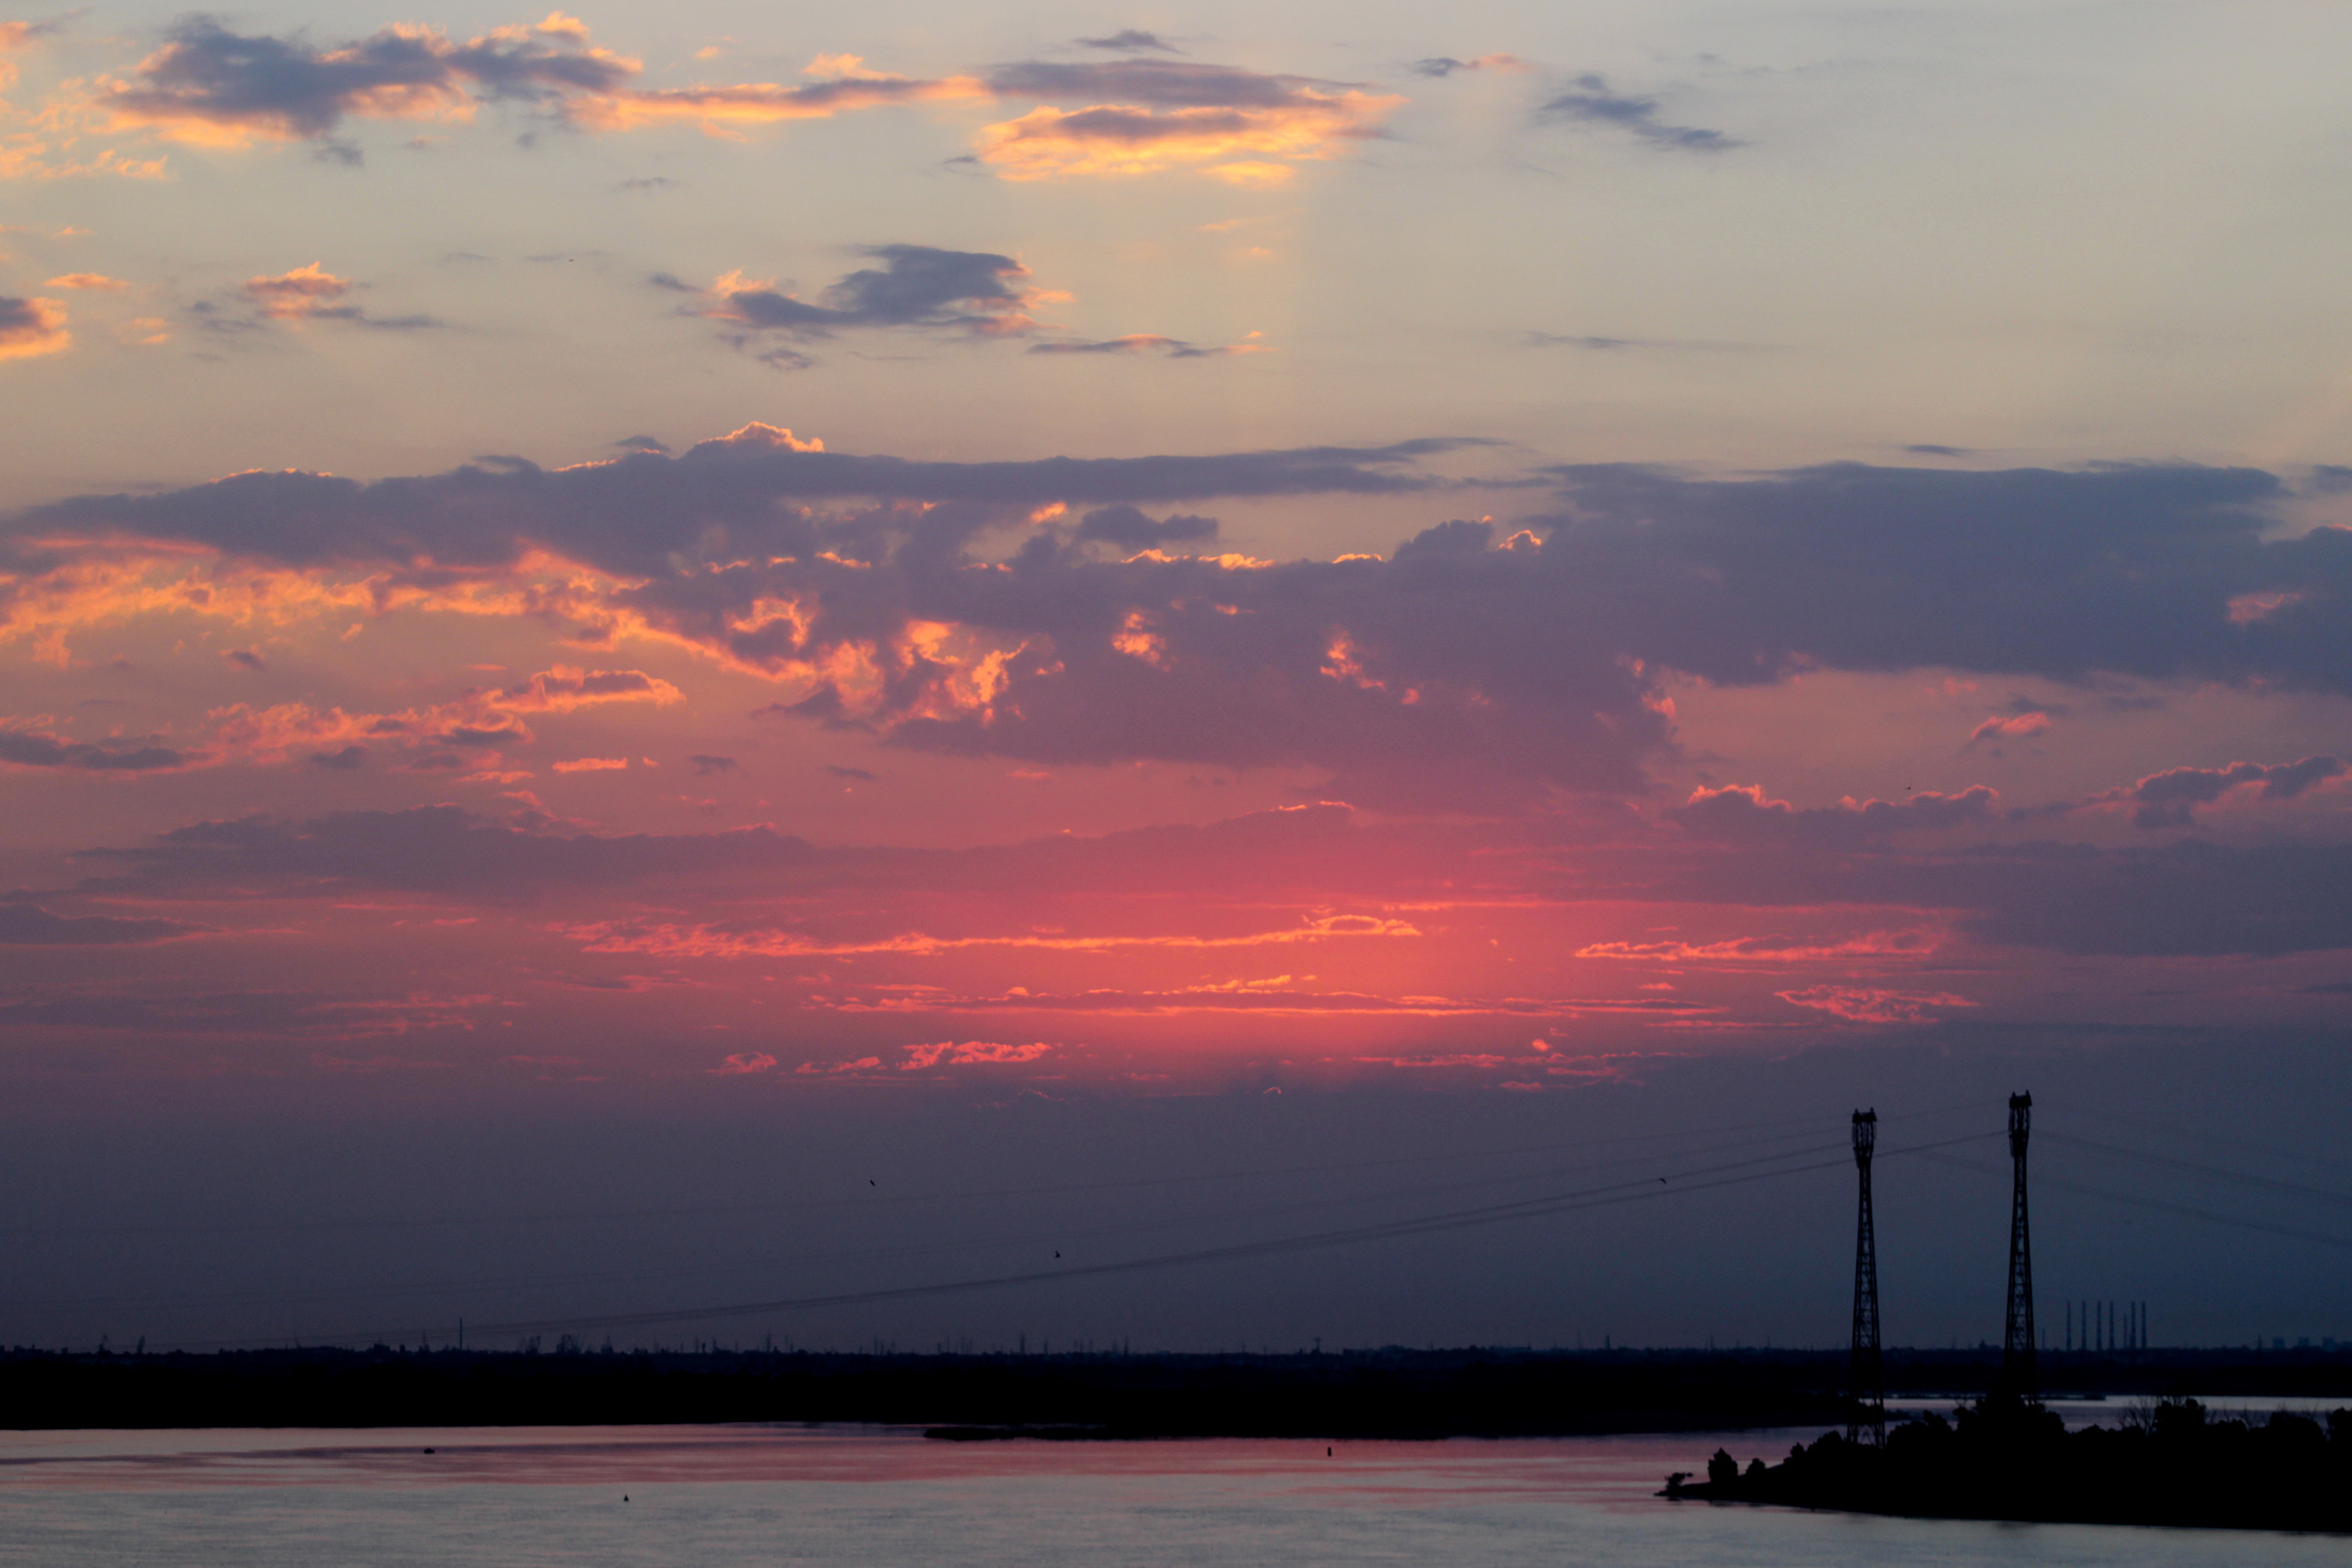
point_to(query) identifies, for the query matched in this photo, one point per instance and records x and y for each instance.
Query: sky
(707, 654)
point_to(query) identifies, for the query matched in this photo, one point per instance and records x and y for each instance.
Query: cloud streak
(27, 925)
(845, 85)
(666, 941)
(968, 292)
(1139, 343)
(1590, 100)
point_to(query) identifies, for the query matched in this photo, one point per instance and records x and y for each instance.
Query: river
(737, 1496)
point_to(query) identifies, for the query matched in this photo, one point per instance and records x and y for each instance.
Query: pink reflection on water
(1607, 1471)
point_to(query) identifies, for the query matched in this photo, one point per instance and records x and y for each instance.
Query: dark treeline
(2168, 1462)
(1388, 1393)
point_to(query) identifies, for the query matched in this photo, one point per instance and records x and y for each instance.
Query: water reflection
(718, 1497)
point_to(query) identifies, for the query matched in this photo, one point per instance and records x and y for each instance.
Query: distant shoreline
(1392, 1392)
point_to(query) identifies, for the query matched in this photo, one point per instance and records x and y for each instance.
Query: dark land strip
(2165, 1462)
(1393, 1392)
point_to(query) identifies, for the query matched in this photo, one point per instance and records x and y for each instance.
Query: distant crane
(2017, 1367)
(1865, 1374)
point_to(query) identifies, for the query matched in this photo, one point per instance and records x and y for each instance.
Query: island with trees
(2168, 1462)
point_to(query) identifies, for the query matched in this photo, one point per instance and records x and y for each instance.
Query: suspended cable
(2161, 1205)
(2206, 1135)
(2218, 1173)
(1063, 1233)
(1643, 1190)
(873, 1200)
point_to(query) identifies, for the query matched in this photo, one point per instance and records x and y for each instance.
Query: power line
(2243, 1178)
(876, 1200)
(2207, 1135)
(862, 1200)
(1065, 1233)
(1644, 1189)
(2162, 1205)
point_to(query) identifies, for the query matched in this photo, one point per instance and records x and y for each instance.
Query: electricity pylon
(2017, 1367)
(1865, 1374)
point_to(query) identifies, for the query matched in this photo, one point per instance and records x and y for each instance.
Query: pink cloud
(1746, 811)
(2247, 609)
(821, 1069)
(2018, 727)
(2172, 798)
(1865, 1006)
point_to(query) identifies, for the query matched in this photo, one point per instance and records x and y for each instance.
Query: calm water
(731, 1497)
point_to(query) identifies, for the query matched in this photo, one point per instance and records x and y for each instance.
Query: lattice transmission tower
(1865, 1374)
(2017, 1366)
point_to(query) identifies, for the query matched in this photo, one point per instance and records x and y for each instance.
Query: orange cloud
(1247, 145)
(705, 941)
(298, 295)
(559, 25)
(271, 733)
(845, 85)
(477, 720)
(589, 765)
(24, 156)
(563, 688)
(947, 1053)
(96, 281)
(13, 36)
(925, 1057)
(32, 327)
(1275, 998)
(1770, 949)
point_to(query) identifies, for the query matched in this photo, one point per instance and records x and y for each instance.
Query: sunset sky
(665, 614)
